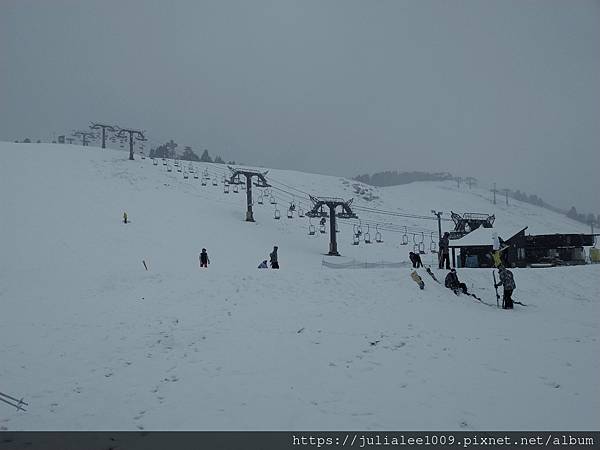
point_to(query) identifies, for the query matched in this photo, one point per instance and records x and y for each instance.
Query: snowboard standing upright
(497, 295)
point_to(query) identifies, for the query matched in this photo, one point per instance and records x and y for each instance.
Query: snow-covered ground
(94, 341)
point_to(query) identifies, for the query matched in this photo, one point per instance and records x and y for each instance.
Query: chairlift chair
(432, 245)
(415, 244)
(154, 162)
(272, 200)
(422, 244)
(378, 238)
(225, 188)
(355, 235)
(311, 228)
(203, 182)
(169, 169)
(322, 229)
(195, 175)
(178, 168)
(215, 182)
(404, 240)
(236, 189)
(367, 235)
(300, 212)
(164, 162)
(143, 155)
(290, 214)
(185, 175)
(260, 199)
(277, 214)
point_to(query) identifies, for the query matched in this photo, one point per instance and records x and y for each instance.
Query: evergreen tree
(206, 157)
(219, 160)
(189, 155)
(572, 214)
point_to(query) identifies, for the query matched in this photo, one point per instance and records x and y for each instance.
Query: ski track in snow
(93, 341)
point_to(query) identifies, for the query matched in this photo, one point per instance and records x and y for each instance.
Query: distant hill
(395, 178)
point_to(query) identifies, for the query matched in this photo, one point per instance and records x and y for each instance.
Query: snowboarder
(263, 265)
(444, 253)
(204, 261)
(452, 282)
(273, 258)
(507, 280)
(124, 217)
(415, 258)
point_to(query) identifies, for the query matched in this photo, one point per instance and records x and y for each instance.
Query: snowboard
(417, 279)
(428, 269)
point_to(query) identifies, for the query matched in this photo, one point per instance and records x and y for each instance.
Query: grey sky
(508, 91)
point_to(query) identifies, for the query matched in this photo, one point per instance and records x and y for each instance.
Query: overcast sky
(507, 91)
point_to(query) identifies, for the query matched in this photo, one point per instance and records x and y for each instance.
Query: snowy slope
(94, 341)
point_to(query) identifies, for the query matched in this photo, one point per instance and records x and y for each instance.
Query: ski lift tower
(84, 135)
(248, 173)
(104, 127)
(133, 135)
(318, 211)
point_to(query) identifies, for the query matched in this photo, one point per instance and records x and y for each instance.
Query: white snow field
(93, 341)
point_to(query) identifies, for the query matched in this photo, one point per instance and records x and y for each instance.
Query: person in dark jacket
(507, 280)
(452, 282)
(204, 261)
(444, 253)
(415, 258)
(263, 265)
(273, 258)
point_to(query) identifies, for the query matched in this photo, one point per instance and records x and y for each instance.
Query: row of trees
(169, 150)
(583, 218)
(394, 178)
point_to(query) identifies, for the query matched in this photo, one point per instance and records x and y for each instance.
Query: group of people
(274, 260)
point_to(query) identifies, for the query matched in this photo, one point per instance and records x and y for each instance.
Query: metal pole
(249, 214)
(131, 146)
(332, 234)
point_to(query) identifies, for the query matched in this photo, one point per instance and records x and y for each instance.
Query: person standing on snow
(273, 258)
(204, 261)
(444, 253)
(124, 217)
(507, 280)
(415, 259)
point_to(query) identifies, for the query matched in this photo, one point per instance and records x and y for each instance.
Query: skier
(204, 261)
(323, 221)
(452, 282)
(124, 217)
(415, 258)
(263, 265)
(273, 258)
(507, 280)
(444, 253)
